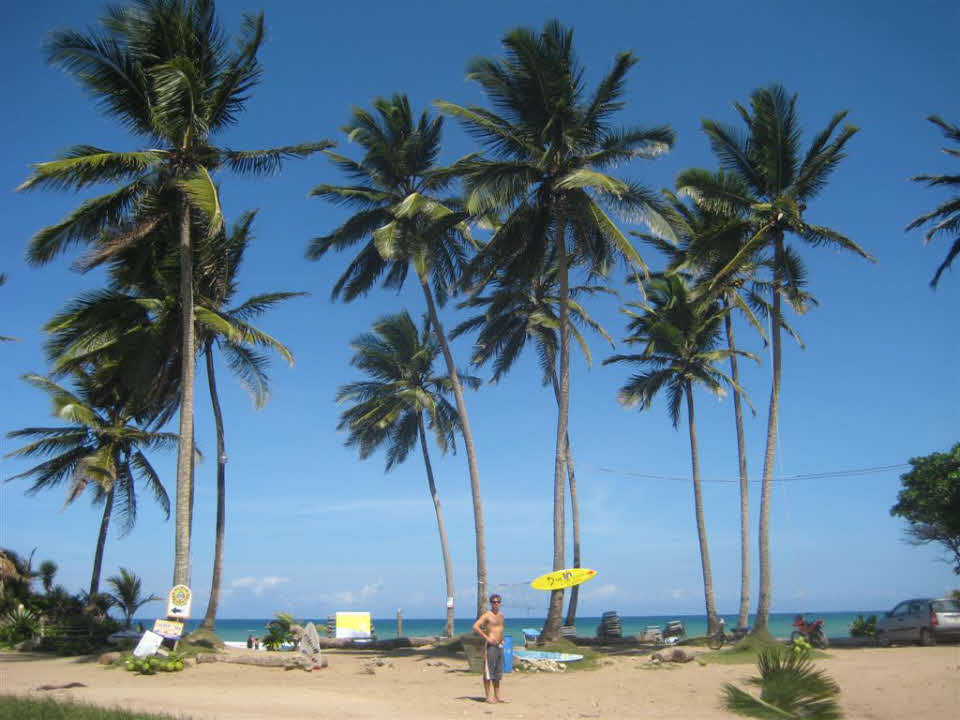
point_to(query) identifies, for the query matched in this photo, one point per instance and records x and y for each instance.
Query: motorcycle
(812, 632)
(721, 636)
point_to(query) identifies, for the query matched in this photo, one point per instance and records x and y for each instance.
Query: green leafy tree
(389, 409)
(680, 336)
(930, 502)
(128, 595)
(163, 69)
(514, 313)
(47, 572)
(945, 218)
(401, 222)
(102, 448)
(790, 689)
(778, 180)
(551, 143)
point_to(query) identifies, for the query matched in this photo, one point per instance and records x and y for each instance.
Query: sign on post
(178, 602)
(169, 629)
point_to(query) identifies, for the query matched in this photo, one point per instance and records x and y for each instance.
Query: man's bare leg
(496, 691)
(488, 685)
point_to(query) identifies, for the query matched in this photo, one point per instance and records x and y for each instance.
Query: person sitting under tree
(490, 627)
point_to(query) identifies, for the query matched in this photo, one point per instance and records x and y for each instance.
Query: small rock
(108, 658)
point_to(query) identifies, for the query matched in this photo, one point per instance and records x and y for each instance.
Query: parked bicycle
(719, 638)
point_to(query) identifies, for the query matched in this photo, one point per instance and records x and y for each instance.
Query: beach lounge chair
(652, 634)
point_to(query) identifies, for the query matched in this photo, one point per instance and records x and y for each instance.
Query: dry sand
(877, 684)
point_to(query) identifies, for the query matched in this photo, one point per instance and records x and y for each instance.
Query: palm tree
(102, 448)
(946, 217)
(552, 144)
(708, 241)
(127, 594)
(403, 224)
(515, 313)
(778, 184)
(680, 336)
(163, 69)
(3, 280)
(237, 338)
(139, 319)
(47, 572)
(389, 408)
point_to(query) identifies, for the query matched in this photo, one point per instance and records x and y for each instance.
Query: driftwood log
(391, 644)
(284, 660)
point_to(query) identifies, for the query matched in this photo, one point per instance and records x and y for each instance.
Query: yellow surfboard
(560, 579)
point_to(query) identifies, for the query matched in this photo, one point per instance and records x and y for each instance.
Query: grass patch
(747, 651)
(17, 708)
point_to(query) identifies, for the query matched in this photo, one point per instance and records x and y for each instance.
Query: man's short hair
(495, 596)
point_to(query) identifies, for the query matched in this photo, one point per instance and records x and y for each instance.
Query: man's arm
(479, 627)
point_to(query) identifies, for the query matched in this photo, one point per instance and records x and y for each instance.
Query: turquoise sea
(837, 624)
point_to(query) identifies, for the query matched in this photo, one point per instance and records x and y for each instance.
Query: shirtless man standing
(490, 626)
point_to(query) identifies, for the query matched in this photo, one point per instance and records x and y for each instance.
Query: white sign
(148, 645)
(178, 602)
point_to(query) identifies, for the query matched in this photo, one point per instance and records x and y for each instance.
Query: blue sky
(312, 529)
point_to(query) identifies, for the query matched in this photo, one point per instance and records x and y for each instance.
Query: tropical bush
(864, 628)
(790, 688)
(278, 631)
(18, 625)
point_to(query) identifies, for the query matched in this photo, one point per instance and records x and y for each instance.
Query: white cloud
(350, 597)
(258, 585)
(600, 592)
(368, 591)
(678, 593)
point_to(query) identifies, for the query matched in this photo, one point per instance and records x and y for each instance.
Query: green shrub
(790, 689)
(19, 624)
(864, 628)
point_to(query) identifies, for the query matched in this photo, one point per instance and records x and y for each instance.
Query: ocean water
(836, 624)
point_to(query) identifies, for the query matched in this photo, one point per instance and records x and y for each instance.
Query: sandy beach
(877, 684)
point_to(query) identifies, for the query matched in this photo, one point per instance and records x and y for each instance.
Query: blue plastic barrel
(508, 654)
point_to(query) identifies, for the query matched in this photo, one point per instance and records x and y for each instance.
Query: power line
(855, 472)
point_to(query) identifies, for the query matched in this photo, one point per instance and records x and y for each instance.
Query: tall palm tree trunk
(101, 543)
(763, 602)
(711, 604)
(571, 618)
(210, 618)
(551, 628)
(181, 560)
(744, 613)
(441, 528)
(468, 444)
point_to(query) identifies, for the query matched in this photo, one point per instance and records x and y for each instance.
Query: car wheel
(926, 638)
(883, 640)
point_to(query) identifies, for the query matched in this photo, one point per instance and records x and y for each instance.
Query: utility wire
(856, 472)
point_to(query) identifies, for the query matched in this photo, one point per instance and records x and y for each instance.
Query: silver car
(923, 620)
